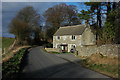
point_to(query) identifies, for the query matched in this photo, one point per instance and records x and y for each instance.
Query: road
(40, 64)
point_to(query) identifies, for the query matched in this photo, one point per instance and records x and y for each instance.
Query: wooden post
(4, 51)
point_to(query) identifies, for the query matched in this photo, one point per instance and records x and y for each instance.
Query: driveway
(40, 64)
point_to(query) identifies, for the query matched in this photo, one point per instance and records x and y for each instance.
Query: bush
(11, 67)
(49, 45)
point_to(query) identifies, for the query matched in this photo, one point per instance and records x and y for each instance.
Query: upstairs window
(73, 37)
(58, 37)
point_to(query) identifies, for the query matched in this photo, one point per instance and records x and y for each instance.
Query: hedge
(11, 68)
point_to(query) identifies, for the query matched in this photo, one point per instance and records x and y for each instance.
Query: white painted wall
(87, 38)
(67, 39)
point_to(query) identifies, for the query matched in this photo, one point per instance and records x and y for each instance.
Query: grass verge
(104, 65)
(11, 68)
(60, 53)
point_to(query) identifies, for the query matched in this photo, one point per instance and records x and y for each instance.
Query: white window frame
(58, 37)
(73, 37)
(73, 45)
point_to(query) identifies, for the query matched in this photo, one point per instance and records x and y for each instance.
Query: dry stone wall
(106, 50)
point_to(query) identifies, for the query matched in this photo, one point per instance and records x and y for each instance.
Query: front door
(64, 48)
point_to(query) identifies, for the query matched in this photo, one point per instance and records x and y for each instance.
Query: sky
(10, 9)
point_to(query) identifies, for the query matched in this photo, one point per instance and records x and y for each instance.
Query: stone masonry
(106, 50)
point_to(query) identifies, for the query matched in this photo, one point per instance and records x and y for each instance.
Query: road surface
(40, 64)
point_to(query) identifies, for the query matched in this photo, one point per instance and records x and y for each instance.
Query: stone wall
(106, 50)
(88, 38)
(52, 49)
(67, 39)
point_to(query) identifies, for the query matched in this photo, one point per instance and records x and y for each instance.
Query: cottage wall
(66, 39)
(88, 38)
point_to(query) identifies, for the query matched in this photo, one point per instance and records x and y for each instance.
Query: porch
(63, 47)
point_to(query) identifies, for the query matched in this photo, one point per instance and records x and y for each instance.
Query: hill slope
(6, 42)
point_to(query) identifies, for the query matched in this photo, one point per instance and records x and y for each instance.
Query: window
(73, 46)
(58, 37)
(73, 37)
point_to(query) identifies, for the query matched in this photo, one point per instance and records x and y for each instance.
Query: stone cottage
(69, 37)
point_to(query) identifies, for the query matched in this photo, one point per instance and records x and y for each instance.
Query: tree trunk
(99, 17)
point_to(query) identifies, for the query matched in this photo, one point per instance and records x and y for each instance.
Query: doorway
(64, 47)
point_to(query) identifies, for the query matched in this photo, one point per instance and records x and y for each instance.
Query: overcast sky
(10, 9)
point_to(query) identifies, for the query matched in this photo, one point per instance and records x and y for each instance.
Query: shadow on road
(46, 72)
(24, 61)
(63, 70)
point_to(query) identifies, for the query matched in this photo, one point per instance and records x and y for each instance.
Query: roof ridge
(72, 26)
(71, 30)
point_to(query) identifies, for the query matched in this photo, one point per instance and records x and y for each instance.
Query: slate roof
(70, 30)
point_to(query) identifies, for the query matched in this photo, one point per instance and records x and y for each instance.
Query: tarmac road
(40, 64)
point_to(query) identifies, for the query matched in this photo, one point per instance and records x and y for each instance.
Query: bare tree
(60, 15)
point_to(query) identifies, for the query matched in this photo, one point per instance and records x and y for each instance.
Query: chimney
(87, 24)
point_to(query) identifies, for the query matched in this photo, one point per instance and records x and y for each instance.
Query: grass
(6, 42)
(61, 53)
(107, 68)
(11, 53)
(55, 52)
(0, 42)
